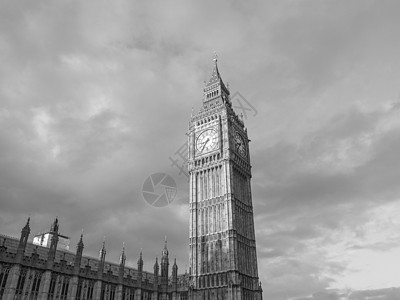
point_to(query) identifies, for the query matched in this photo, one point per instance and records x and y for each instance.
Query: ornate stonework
(222, 248)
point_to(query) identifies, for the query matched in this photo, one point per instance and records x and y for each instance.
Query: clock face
(240, 146)
(207, 141)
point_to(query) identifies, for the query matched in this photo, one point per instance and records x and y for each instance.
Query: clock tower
(222, 248)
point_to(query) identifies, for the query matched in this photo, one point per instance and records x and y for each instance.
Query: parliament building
(222, 247)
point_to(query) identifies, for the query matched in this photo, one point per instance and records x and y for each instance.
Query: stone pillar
(73, 283)
(3, 248)
(259, 292)
(138, 293)
(154, 295)
(118, 292)
(12, 282)
(238, 292)
(73, 286)
(231, 294)
(121, 272)
(44, 285)
(175, 296)
(98, 283)
(97, 290)
(22, 242)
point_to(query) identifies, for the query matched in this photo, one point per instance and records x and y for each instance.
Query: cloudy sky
(96, 95)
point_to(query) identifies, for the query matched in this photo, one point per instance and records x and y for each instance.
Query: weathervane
(215, 57)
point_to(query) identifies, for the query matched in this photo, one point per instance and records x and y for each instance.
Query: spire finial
(165, 243)
(123, 256)
(54, 226)
(215, 59)
(81, 238)
(103, 250)
(165, 250)
(26, 227)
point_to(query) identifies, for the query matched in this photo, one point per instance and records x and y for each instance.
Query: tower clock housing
(222, 248)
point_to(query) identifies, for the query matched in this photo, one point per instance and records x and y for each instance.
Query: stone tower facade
(222, 247)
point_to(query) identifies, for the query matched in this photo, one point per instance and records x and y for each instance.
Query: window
(36, 285)
(20, 284)
(52, 286)
(5, 269)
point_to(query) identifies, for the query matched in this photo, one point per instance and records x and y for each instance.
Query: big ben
(222, 247)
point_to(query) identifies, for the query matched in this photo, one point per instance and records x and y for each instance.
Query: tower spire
(215, 88)
(165, 250)
(122, 259)
(140, 262)
(26, 230)
(102, 258)
(80, 243)
(27, 223)
(164, 266)
(103, 251)
(174, 276)
(53, 243)
(78, 255)
(156, 267)
(54, 226)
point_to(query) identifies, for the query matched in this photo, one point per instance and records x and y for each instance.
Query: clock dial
(240, 146)
(207, 141)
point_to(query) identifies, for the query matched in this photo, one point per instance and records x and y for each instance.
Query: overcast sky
(96, 95)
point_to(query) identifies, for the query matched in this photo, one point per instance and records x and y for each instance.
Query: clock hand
(201, 144)
(205, 143)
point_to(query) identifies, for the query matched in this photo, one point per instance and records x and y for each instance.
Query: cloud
(95, 96)
(317, 198)
(386, 294)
